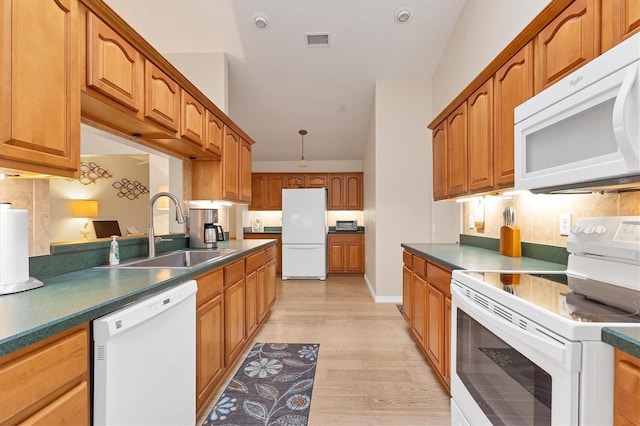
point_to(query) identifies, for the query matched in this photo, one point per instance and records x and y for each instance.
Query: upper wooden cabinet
(266, 191)
(620, 19)
(40, 86)
(457, 182)
(215, 134)
(244, 174)
(440, 161)
(566, 43)
(162, 97)
(114, 67)
(344, 191)
(293, 181)
(480, 138)
(513, 84)
(315, 180)
(231, 165)
(192, 119)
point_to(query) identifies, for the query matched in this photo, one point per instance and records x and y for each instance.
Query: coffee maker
(203, 231)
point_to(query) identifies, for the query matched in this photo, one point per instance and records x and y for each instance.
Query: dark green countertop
(626, 339)
(460, 256)
(73, 298)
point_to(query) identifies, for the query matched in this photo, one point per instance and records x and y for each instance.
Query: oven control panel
(616, 236)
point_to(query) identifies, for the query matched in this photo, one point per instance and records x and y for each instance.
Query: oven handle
(541, 342)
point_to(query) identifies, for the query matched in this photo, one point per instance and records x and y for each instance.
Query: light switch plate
(565, 223)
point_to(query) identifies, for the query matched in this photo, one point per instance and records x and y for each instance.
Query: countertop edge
(27, 337)
(621, 339)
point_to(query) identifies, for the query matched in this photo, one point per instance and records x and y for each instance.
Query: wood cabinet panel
(346, 253)
(114, 67)
(335, 199)
(434, 341)
(38, 380)
(251, 303)
(457, 181)
(480, 138)
(626, 400)
(270, 282)
(513, 84)
(192, 119)
(255, 261)
(70, 409)
(278, 247)
(419, 309)
(210, 347)
(447, 341)
(231, 165)
(234, 320)
(294, 181)
(274, 193)
(566, 43)
(258, 192)
(407, 295)
(162, 98)
(262, 304)
(244, 174)
(215, 134)
(316, 181)
(353, 191)
(440, 161)
(620, 19)
(40, 86)
(209, 285)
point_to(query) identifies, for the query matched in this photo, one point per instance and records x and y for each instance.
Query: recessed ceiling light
(403, 16)
(260, 21)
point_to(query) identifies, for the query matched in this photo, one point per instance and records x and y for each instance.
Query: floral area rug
(272, 387)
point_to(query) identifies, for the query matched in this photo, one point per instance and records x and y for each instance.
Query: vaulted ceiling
(277, 85)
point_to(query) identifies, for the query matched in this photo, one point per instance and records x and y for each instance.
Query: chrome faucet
(179, 218)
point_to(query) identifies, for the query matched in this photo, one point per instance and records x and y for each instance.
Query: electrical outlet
(565, 223)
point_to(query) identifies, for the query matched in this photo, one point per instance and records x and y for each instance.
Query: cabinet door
(192, 119)
(274, 192)
(335, 192)
(234, 324)
(336, 255)
(407, 295)
(626, 400)
(251, 303)
(316, 181)
(258, 192)
(434, 343)
(419, 309)
(480, 142)
(354, 256)
(210, 348)
(245, 172)
(40, 86)
(114, 67)
(440, 161)
(620, 19)
(447, 341)
(70, 409)
(513, 84)
(270, 282)
(294, 181)
(215, 134)
(261, 295)
(457, 151)
(566, 43)
(230, 165)
(162, 98)
(353, 191)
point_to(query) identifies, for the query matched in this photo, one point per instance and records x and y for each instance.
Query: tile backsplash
(538, 215)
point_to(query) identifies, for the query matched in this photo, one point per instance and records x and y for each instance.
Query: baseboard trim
(381, 299)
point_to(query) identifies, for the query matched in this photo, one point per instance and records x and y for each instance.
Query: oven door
(507, 374)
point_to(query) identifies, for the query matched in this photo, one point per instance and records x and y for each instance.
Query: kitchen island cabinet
(48, 382)
(40, 86)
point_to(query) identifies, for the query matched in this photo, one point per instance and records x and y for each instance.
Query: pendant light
(302, 162)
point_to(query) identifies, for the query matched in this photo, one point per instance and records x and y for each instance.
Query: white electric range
(526, 346)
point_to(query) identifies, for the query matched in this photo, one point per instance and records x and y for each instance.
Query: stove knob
(589, 229)
(576, 229)
(600, 229)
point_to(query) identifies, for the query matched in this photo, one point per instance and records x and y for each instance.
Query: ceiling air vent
(317, 39)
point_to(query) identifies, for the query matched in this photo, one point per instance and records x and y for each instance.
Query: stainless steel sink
(178, 259)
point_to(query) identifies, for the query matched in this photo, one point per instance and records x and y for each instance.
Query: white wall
(402, 179)
(369, 193)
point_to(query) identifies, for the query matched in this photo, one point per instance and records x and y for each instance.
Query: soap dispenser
(114, 251)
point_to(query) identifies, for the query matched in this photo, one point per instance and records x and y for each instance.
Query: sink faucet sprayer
(179, 218)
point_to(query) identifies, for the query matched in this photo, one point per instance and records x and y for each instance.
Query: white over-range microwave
(583, 132)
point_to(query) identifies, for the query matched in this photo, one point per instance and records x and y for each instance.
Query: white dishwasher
(145, 361)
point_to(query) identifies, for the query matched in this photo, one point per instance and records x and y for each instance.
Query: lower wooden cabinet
(209, 334)
(278, 246)
(427, 309)
(626, 400)
(48, 382)
(346, 253)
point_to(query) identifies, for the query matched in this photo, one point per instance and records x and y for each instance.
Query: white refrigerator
(304, 233)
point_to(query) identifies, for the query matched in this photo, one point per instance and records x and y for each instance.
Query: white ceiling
(277, 85)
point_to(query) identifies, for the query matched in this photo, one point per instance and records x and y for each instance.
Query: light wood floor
(370, 371)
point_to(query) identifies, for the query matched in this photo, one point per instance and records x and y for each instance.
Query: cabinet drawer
(72, 408)
(420, 267)
(255, 261)
(270, 253)
(407, 259)
(37, 374)
(209, 285)
(234, 272)
(439, 278)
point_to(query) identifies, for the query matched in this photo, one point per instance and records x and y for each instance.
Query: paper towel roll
(14, 246)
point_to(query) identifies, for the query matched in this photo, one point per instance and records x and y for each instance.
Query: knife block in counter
(510, 241)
